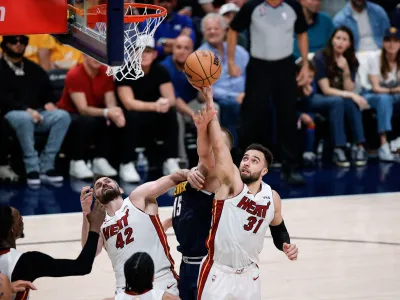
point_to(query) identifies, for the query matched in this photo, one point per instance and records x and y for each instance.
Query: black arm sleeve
(300, 25)
(33, 265)
(280, 235)
(242, 19)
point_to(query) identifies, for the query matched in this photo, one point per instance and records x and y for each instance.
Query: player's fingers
(200, 175)
(84, 189)
(194, 183)
(199, 178)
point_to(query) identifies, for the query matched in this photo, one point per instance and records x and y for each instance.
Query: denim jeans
(229, 117)
(337, 109)
(383, 104)
(56, 122)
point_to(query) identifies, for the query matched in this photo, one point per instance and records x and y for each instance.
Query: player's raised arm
(226, 172)
(153, 189)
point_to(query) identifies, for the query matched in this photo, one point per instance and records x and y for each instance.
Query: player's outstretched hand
(203, 117)
(291, 251)
(22, 285)
(207, 92)
(96, 216)
(86, 199)
(196, 179)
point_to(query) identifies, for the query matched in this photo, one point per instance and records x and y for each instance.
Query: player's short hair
(229, 135)
(139, 273)
(6, 221)
(267, 153)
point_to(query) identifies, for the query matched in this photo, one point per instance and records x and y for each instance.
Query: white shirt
(393, 77)
(367, 42)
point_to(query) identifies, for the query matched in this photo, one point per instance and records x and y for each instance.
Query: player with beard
(32, 265)
(243, 208)
(132, 225)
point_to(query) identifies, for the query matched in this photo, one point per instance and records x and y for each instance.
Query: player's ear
(121, 190)
(264, 171)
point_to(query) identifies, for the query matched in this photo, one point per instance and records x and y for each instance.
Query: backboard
(88, 36)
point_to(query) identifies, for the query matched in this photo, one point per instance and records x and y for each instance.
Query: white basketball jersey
(239, 225)
(150, 295)
(131, 230)
(8, 260)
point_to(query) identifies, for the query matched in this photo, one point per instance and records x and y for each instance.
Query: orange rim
(97, 14)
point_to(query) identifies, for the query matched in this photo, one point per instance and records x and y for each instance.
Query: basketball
(202, 68)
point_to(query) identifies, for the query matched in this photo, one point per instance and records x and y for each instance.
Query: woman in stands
(336, 67)
(384, 75)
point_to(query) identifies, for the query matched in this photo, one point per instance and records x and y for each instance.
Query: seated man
(228, 90)
(173, 26)
(89, 97)
(149, 104)
(28, 105)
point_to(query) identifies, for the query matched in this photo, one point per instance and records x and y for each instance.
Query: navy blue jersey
(191, 219)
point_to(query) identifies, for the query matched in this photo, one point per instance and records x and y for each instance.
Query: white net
(137, 36)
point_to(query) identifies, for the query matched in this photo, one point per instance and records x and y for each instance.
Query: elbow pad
(280, 235)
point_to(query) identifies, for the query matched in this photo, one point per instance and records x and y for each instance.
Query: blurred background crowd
(61, 115)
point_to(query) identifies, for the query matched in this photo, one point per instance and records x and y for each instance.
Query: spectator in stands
(384, 75)
(6, 172)
(396, 17)
(271, 74)
(228, 90)
(320, 26)
(305, 117)
(173, 26)
(336, 69)
(27, 102)
(149, 103)
(184, 91)
(367, 21)
(228, 11)
(39, 49)
(89, 97)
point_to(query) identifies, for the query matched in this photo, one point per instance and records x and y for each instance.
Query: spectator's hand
(22, 285)
(234, 70)
(307, 90)
(50, 106)
(163, 105)
(186, 31)
(116, 115)
(396, 90)
(240, 98)
(36, 116)
(96, 216)
(196, 179)
(360, 101)
(306, 120)
(302, 77)
(186, 11)
(86, 199)
(341, 62)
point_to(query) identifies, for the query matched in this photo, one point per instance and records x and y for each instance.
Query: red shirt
(78, 80)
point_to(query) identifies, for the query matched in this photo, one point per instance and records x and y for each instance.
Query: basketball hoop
(139, 27)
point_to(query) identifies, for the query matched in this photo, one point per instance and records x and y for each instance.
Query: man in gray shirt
(271, 74)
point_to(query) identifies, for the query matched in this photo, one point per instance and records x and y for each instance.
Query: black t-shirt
(147, 88)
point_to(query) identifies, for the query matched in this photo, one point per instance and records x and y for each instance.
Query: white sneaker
(102, 166)
(395, 145)
(385, 154)
(6, 173)
(170, 166)
(128, 173)
(79, 169)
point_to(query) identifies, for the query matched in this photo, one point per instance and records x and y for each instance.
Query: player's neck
(274, 2)
(255, 186)
(92, 72)
(9, 243)
(113, 206)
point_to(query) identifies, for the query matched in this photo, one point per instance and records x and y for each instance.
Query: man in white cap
(228, 11)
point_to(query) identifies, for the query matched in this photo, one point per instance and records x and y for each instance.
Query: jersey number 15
(177, 207)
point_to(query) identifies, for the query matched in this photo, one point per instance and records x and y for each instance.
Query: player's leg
(217, 285)
(248, 285)
(188, 276)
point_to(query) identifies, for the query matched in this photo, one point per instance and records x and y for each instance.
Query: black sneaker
(340, 159)
(32, 178)
(52, 176)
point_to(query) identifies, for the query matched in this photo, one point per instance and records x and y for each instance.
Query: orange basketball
(202, 68)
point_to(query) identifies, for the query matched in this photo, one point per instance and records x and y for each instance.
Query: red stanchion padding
(33, 17)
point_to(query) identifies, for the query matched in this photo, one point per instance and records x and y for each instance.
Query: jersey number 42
(120, 243)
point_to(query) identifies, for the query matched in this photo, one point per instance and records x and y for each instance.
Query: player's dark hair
(267, 153)
(229, 135)
(139, 273)
(6, 221)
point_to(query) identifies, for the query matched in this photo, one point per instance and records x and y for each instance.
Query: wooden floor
(349, 249)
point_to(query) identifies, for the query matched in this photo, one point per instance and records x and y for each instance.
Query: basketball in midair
(202, 68)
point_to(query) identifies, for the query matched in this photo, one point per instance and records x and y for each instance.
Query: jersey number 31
(252, 221)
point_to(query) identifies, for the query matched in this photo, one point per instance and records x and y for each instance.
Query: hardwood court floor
(349, 249)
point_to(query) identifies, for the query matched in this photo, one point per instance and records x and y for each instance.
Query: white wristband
(105, 112)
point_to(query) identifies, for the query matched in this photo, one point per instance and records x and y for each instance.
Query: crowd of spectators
(349, 68)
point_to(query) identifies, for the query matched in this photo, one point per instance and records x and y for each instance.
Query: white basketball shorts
(225, 283)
